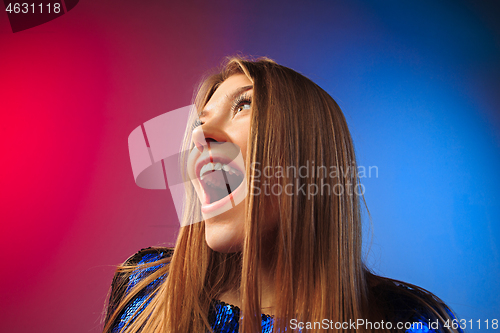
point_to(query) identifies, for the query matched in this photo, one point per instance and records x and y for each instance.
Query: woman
(279, 245)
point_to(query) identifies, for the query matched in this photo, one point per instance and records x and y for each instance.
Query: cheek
(243, 142)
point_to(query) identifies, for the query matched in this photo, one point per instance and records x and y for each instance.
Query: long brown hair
(317, 255)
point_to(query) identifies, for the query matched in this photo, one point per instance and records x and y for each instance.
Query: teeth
(209, 167)
(205, 169)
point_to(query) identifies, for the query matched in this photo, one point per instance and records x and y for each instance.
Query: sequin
(223, 318)
(134, 308)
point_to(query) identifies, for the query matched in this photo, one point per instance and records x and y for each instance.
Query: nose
(211, 130)
(199, 138)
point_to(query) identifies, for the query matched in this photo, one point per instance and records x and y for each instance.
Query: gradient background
(417, 80)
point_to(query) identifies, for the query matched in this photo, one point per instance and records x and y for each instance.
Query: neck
(266, 286)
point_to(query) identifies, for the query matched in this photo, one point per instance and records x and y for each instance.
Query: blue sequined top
(223, 318)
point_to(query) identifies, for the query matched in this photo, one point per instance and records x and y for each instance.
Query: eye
(245, 105)
(243, 102)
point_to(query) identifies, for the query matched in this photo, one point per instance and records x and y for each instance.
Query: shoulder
(144, 263)
(147, 266)
(138, 266)
(415, 309)
(149, 255)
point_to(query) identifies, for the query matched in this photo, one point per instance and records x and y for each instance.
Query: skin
(222, 123)
(223, 232)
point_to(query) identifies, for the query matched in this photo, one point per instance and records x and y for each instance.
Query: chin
(224, 236)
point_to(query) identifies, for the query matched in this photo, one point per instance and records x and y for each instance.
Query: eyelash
(241, 100)
(196, 123)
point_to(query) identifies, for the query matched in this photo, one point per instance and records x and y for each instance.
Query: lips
(209, 163)
(211, 167)
(220, 176)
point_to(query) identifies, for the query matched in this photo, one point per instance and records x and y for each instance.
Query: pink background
(71, 92)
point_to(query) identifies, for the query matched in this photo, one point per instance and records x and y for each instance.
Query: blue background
(419, 85)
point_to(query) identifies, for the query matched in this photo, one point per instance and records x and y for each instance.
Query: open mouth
(219, 180)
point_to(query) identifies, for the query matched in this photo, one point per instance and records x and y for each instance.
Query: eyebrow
(231, 96)
(238, 92)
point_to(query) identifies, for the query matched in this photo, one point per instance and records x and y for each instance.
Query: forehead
(226, 90)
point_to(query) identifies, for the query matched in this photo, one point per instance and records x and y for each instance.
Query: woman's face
(217, 165)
